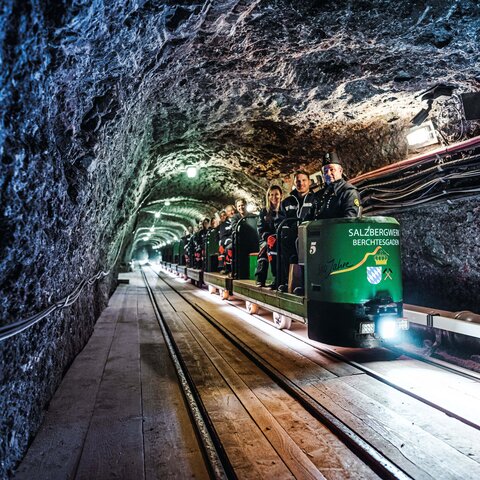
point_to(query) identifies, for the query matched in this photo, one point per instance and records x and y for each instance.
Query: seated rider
(199, 242)
(267, 236)
(299, 205)
(337, 198)
(225, 248)
(187, 243)
(241, 207)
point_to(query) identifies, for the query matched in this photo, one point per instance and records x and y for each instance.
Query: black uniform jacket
(199, 238)
(266, 224)
(337, 200)
(225, 232)
(297, 206)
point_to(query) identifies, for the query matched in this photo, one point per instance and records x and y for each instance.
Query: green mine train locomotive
(351, 271)
(353, 280)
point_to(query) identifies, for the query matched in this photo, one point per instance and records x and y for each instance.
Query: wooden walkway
(119, 412)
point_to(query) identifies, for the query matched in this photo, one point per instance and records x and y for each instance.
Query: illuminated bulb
(422, 136)
(157, 214)
(388, 329)
(191, 171)
(152, 229)
(167, 202)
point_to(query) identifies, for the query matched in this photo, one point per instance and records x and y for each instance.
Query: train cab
(353, 279)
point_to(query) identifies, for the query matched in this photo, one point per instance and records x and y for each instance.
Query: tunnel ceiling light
(152, 229)
(157, 214)
(422, 136)
(191, 171)
(167, 203)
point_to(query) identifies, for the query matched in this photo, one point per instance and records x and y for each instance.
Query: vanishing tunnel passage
(104, 106)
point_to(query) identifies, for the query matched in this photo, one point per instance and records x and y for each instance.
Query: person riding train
(337, 198)
(199, 243)
(226, 241)
(267, 236)
(299, 205)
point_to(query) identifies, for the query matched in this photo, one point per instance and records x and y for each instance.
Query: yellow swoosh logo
(358, 264)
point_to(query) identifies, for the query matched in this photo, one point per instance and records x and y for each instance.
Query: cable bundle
(442, 175)
(17, 327)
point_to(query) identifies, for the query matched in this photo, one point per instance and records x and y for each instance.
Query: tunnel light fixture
(191, 171)
(422, 135)
(167, 203)
(157, 214)
(152, 229)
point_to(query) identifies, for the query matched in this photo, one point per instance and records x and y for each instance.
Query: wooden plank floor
(373, 410)
(265, 433)
(118, 412)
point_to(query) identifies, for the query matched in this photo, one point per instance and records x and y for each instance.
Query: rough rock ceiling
(104, 103)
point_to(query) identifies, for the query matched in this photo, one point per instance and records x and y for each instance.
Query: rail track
(385, 462)
(441, 365)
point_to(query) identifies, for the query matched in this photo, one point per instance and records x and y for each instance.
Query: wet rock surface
(441, 254)
(104, 104)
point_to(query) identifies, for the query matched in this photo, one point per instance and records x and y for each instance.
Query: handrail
(280, 274)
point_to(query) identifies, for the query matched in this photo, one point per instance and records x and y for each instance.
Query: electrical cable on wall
(452, 173)
(8, 331)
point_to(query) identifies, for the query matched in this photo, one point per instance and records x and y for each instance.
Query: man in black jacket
(300, 205)
(338, 199)
(226, 242)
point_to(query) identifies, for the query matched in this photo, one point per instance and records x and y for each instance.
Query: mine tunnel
(124, 124)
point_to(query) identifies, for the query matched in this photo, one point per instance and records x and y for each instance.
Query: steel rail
(382, 378)
(380, 464)
(217, 459)
(443, 365)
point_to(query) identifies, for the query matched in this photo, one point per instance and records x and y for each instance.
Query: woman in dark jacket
(267, 233)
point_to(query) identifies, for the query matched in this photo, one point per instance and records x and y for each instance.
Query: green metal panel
(284, 301)
(218, 280)
(253, 267)
(182, 269)
(211, 250)
(195, 274)
(352, 260)
(176, 250)
(181, 246)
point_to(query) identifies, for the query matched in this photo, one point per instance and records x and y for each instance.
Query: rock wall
(441, 254)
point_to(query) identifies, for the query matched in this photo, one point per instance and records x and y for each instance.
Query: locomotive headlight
(387, 329)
